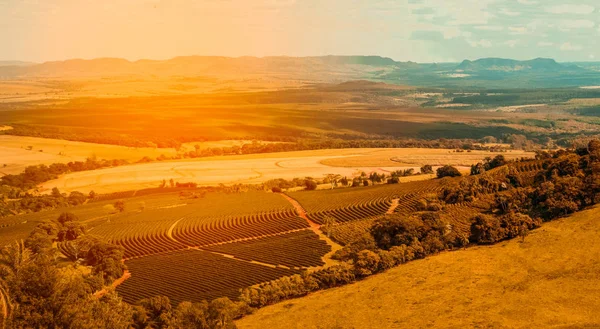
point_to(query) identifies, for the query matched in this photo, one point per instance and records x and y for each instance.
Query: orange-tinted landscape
(236, 164)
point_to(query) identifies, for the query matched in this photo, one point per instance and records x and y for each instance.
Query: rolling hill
(549, 280)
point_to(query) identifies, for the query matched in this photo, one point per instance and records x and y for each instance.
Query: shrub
(367, 263)
(396, 230)
(448, 171)
(276, 189)
(427, 169)
(310, 185)
(486, 229)
(120, 205)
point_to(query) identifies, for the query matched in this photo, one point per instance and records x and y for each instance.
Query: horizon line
(272, 56)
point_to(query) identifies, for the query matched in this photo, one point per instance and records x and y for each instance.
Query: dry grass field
(247, 169)
(551, 280)
(418, 157)
(18, 152)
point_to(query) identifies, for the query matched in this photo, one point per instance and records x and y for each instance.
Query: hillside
(550, 280)
(191, 66)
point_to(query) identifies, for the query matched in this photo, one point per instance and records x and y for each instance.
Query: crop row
(146, 237)
(350, 204)
(296, 249)
(346, 233)
(193, 275)
(353, 212)
(459, 216)
(407, 203)
(197, 231)
(528, 166)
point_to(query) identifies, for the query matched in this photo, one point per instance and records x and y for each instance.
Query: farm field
(231, 230)
(550, 280)
(18, 152)
(245, 169)
(193, 275)
(417, 157)
(359, 203)
(296, 249)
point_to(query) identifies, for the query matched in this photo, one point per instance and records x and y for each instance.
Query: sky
(405, 30)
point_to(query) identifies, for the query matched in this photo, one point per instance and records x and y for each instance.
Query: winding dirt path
(393, 206)
(302, 213)
(316, 227)
(114, 285)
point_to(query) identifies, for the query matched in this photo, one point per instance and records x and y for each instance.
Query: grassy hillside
(550, 280)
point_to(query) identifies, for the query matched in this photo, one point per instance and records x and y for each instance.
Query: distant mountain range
(15, 63)
(484, 73)
(511, 65)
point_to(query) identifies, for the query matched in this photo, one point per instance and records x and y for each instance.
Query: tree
(427, 169)
(190, 316)
(77, 198)
(477, 169)
(367, 263)
(448, 171)
(486, 229)
(344, 181)
(310, 185)
(395, 230)
(153, 312)
(496, 162)
(67, 217)
(328, 225)
(56, 193)
(120, 205)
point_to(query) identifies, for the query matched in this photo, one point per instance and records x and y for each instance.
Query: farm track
(315, 228)
(393, 206)
(126, 275)
(229, 256)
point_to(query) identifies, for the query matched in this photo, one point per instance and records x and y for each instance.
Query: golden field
(551, 280)
(18, 152)
(256, 168)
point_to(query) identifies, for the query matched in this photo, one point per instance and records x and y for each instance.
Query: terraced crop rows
(408, 201)
(193, 275)
(346, 233)
(297, 249)
(201, 231)
(459, 216)
(364, 202)
(145, 232)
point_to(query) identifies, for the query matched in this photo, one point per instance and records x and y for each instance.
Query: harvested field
(246, 169)
(18, 152)
(418, 157)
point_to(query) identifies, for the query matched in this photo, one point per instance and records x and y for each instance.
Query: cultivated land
(265, 234)
(18, 152)
(258, 168)
(549, 281)
(199, 244)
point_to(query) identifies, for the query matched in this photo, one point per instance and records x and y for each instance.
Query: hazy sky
(417, 30)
